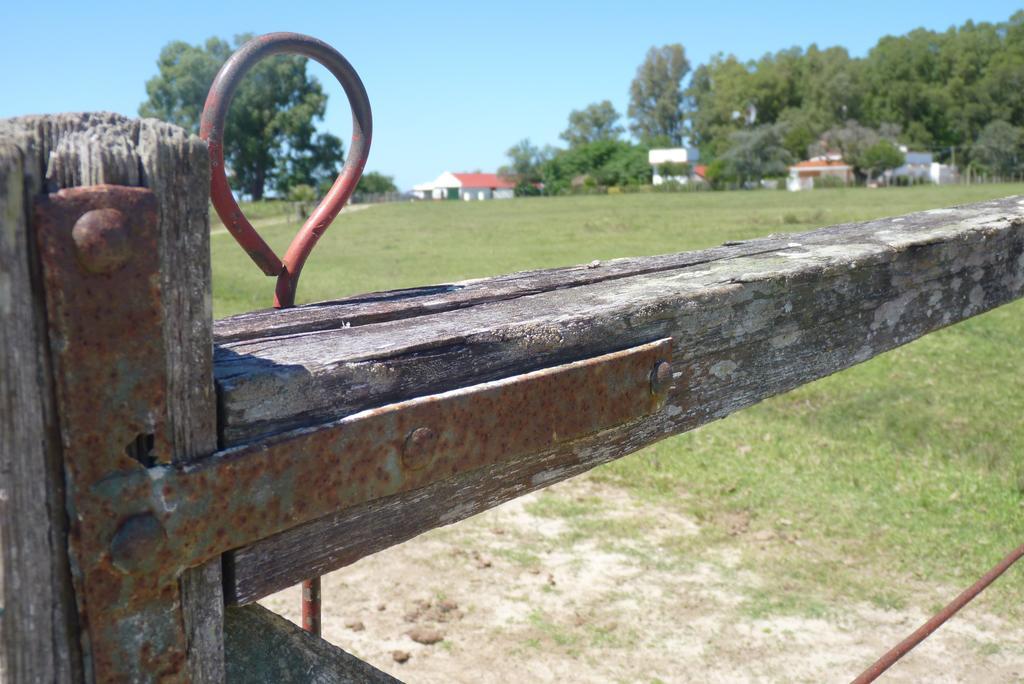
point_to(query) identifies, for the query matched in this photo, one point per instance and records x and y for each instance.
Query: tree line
(958, 94)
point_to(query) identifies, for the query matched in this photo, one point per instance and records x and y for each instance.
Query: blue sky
(452, 84)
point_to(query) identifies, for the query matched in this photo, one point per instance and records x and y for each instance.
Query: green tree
(525, 162)
(597, 121)
(270, 134)
(718, 93)
(853, 140)
(879, 158)
(656, 96)
(940, 88)
(756, 153)
(998, 148)
(719, 174)
(674, 169)
(601, 163)
(315, 163)
(376, 183)
(832, 88)
(801, 129)
(627, 165)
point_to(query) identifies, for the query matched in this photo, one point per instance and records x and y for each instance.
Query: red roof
(821, 164)
(701, 170)
(483, 180)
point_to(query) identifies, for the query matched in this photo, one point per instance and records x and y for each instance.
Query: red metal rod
(311, 606)
(212, 131)
(925, 630)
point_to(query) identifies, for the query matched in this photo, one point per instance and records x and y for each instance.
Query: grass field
(902, 473)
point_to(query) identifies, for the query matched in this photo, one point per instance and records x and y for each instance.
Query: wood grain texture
(37, 627)
(176, 166)
(268, 385)
(747, 324)
(264, 647)
(69, 150)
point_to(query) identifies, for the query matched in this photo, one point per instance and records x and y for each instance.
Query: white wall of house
(670, 155)
(941, 174)
(657, 178)
(802, 178)
(470, 194)
(916, 166)
(476, 194)
(796, 183)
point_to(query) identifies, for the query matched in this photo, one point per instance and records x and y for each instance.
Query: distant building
(941, 174)
(916, 166)
(661, 161)
(921, 167)
(465, 186)
(802, 175)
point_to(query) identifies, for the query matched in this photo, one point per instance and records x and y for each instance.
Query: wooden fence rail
(747, 321)
(284, 444)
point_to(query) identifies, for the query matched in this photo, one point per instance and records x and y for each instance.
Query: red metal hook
(211, 130)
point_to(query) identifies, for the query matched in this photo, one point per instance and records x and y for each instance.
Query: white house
(941, 174)
(670, 155)
(916, 165)
(465, 186)
(803, 174)
(921, 167)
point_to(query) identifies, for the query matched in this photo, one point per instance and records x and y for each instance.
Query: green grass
(406, 244)
(904, 472)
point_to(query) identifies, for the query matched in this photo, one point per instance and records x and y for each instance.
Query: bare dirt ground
(525, 594)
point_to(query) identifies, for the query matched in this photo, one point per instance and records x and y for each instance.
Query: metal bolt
(419, 448)
(101, 237)
(661, 377)
(137, 542)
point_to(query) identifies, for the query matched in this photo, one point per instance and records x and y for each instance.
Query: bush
(825, 182)
(526, 189)
(302, 193)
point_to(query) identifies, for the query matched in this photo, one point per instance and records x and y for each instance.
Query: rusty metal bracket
(98, 248)
(249, 493)
(137, 520)
(244, 494)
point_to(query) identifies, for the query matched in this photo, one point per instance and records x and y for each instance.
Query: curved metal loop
(211, 130)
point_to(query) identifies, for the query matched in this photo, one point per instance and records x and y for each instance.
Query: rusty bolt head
(419, 448)
(137, 542)
(661, 377)
(101, 238)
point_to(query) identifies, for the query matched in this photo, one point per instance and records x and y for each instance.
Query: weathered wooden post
(106, 263)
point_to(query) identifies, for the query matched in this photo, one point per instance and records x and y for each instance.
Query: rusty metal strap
(248, 493)
(99, 251)
(244, 494)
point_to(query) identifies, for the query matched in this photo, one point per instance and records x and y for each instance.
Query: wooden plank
(744, 329)
(71, 150)
(37, 640)
(264, 647)
(268, 385)
(176, 166)
(379, 307)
